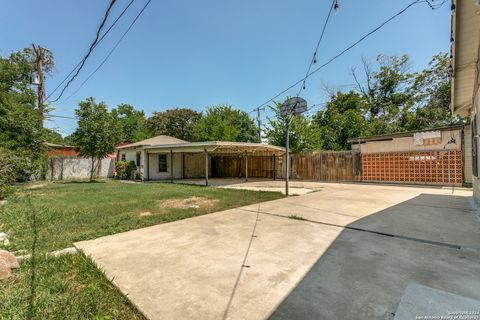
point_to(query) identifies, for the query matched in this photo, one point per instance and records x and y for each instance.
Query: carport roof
(218, 147)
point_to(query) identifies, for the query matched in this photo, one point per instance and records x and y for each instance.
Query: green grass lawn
(55, 215)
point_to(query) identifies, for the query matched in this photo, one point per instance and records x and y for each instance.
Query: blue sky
(187, 53)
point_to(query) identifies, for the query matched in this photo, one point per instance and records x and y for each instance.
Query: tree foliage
(97, 132)
(176, 122)
(388, 99)
(21, 133)
(304, 135)
(226, 123)
(132, 123)
(344, 117)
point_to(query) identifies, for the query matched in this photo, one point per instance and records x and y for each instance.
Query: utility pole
(39, 60)
(259, 122)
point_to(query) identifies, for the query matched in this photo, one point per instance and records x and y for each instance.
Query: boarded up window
(138, 159)
(162, 163)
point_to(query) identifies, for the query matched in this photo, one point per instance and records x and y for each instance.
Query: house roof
(167, 144)
(385, 137)
(158, 140)
(465, 52)
(58, 146)
(218, 147)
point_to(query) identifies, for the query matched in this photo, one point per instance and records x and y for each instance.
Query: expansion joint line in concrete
(244, 265)
(437, 243)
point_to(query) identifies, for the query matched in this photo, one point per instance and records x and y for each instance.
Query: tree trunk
(92, 169)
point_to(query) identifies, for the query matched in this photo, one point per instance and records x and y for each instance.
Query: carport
(217, 159)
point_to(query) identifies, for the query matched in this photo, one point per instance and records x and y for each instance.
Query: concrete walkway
(353, 259)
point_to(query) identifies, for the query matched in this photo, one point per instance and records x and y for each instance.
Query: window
(474, 146)
(162, 163)
(124, 157)
(138, 158)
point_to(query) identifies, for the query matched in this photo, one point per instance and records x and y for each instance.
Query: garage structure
(433, 156)
(168, 158)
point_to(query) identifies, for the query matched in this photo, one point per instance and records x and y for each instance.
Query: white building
(465, 73)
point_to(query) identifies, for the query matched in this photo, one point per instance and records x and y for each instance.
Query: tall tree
(304, 134)
(43, 60)
(431, 90)
(386, 92)
(225, 123)
(177, 122)
(97, 132)
(21, 133)
(344, 117)
(388, 99)
(132, 123)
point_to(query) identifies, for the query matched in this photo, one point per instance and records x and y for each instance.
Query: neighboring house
(465, 74)
(165, 157)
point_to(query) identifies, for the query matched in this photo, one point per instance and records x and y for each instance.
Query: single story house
(465, 94)
(168, 158)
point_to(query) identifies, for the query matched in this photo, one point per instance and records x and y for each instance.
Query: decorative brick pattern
(427, 167)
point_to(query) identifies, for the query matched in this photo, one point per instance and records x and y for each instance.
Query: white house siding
(130, 155)
(476, 110)
(154, 174)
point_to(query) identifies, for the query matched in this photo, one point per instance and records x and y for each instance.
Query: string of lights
(313, 61)
(341, 53)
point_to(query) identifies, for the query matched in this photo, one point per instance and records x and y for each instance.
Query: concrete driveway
(352, 258)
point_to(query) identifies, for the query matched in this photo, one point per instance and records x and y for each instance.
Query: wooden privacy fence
(322, 166)
(426, 167)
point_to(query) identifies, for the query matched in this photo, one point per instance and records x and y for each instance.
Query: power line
(110, 53)
(314, 57)
(57, 116)
(95, 41)
(98, 42)
(347, 49)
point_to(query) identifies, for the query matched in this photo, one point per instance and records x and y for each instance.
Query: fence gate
(444, 167)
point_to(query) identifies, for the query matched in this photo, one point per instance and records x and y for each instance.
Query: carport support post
(274, 167)
(206, 167)
(171, 166)
(246, 166)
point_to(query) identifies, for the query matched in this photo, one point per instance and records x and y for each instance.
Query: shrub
(8, 172)
(125, 169)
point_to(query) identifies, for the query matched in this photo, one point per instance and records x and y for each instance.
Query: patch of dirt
(37, 185)
(145, 214)
(188, 203)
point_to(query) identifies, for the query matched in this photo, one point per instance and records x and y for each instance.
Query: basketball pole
(287, 126)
